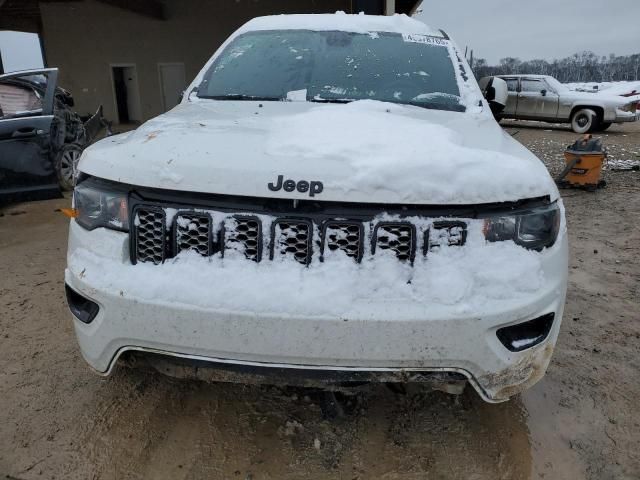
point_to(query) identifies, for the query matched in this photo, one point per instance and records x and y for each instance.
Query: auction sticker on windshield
(415, 38)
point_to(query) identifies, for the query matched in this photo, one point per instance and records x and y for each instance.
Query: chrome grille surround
(149, 230)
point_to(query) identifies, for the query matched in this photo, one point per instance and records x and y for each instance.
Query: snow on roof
(399, 23)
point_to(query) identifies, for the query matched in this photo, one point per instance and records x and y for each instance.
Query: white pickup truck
(543, 98)
(332, 202)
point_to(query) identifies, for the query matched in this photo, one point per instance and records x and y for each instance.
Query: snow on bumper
(444, 317)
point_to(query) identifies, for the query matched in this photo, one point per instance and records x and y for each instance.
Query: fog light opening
(82, 308)
(517, 338)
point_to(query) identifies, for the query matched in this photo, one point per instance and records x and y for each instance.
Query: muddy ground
(58, 420)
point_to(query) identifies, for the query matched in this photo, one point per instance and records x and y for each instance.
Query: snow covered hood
(365, 151)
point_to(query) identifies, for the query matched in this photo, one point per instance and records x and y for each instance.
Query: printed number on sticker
(415, 38)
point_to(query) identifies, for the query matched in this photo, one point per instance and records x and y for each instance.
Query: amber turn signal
(70, 212)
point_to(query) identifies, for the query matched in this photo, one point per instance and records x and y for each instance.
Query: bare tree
(585, 66)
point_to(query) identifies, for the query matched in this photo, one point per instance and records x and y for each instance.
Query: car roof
(341, 21)
(520, 75)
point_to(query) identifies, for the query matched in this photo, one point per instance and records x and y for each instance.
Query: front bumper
(374, 337)
(624, 117)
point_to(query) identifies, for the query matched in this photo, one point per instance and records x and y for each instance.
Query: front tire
(67, 165)
(584, 120)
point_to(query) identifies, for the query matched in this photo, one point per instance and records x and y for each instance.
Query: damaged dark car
(41, 136)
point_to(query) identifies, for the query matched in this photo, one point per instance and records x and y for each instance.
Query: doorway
(172, 83)
(126, 92)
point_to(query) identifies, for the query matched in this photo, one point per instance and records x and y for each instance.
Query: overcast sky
(526, 29)
(20, 51)
(530, 29)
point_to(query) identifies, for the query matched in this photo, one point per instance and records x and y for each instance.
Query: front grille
(211, 232)
(343, 237)
(149, 233)
(243, 234)
(292, 238)
(445, 234)
(193, 232)
(397, 237)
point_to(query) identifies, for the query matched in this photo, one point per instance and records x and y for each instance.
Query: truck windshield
(335, 67)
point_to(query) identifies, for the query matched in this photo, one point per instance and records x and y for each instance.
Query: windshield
(556, 85)
(335, 67)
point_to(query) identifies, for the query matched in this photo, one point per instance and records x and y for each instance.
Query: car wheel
(67, 165)
(604, 126)
(584, 120)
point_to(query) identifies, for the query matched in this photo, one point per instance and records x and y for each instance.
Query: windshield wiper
(330, 100)
(240, 96)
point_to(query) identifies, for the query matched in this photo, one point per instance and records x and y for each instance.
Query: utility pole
(390, 7)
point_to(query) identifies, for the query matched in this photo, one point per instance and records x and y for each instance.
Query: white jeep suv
(332, 202)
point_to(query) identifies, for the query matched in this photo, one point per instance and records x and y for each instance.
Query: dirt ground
(58, 420)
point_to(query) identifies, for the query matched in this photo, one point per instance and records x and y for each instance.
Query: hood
(365, 151)
(602, 97)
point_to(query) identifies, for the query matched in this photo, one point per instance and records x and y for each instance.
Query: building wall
(85, 38)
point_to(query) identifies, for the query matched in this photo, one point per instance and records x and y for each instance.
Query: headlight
(533, 229)
(99, 204)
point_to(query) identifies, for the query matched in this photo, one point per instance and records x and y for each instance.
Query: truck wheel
(584, 120)
(67, 165)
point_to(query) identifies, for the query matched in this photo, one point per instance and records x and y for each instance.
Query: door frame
(113, 88)
(168, 64)
(48, 186)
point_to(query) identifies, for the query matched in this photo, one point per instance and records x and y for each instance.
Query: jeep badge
(302, 186)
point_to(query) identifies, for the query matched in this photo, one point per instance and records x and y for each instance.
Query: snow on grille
(193, 232)
(244, 234)
(292, 238)
(343, 237)
(445, 234)
(397, 237)
(211, 232)
(150, 235)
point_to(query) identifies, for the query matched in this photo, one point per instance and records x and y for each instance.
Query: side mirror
(543, 92)
(496, 92)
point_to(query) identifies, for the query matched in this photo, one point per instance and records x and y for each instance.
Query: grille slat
(445, 234)
(150, 234)
(293, 238)
(398, 237)
(244, 234)
(193, 232)
(344, 237)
